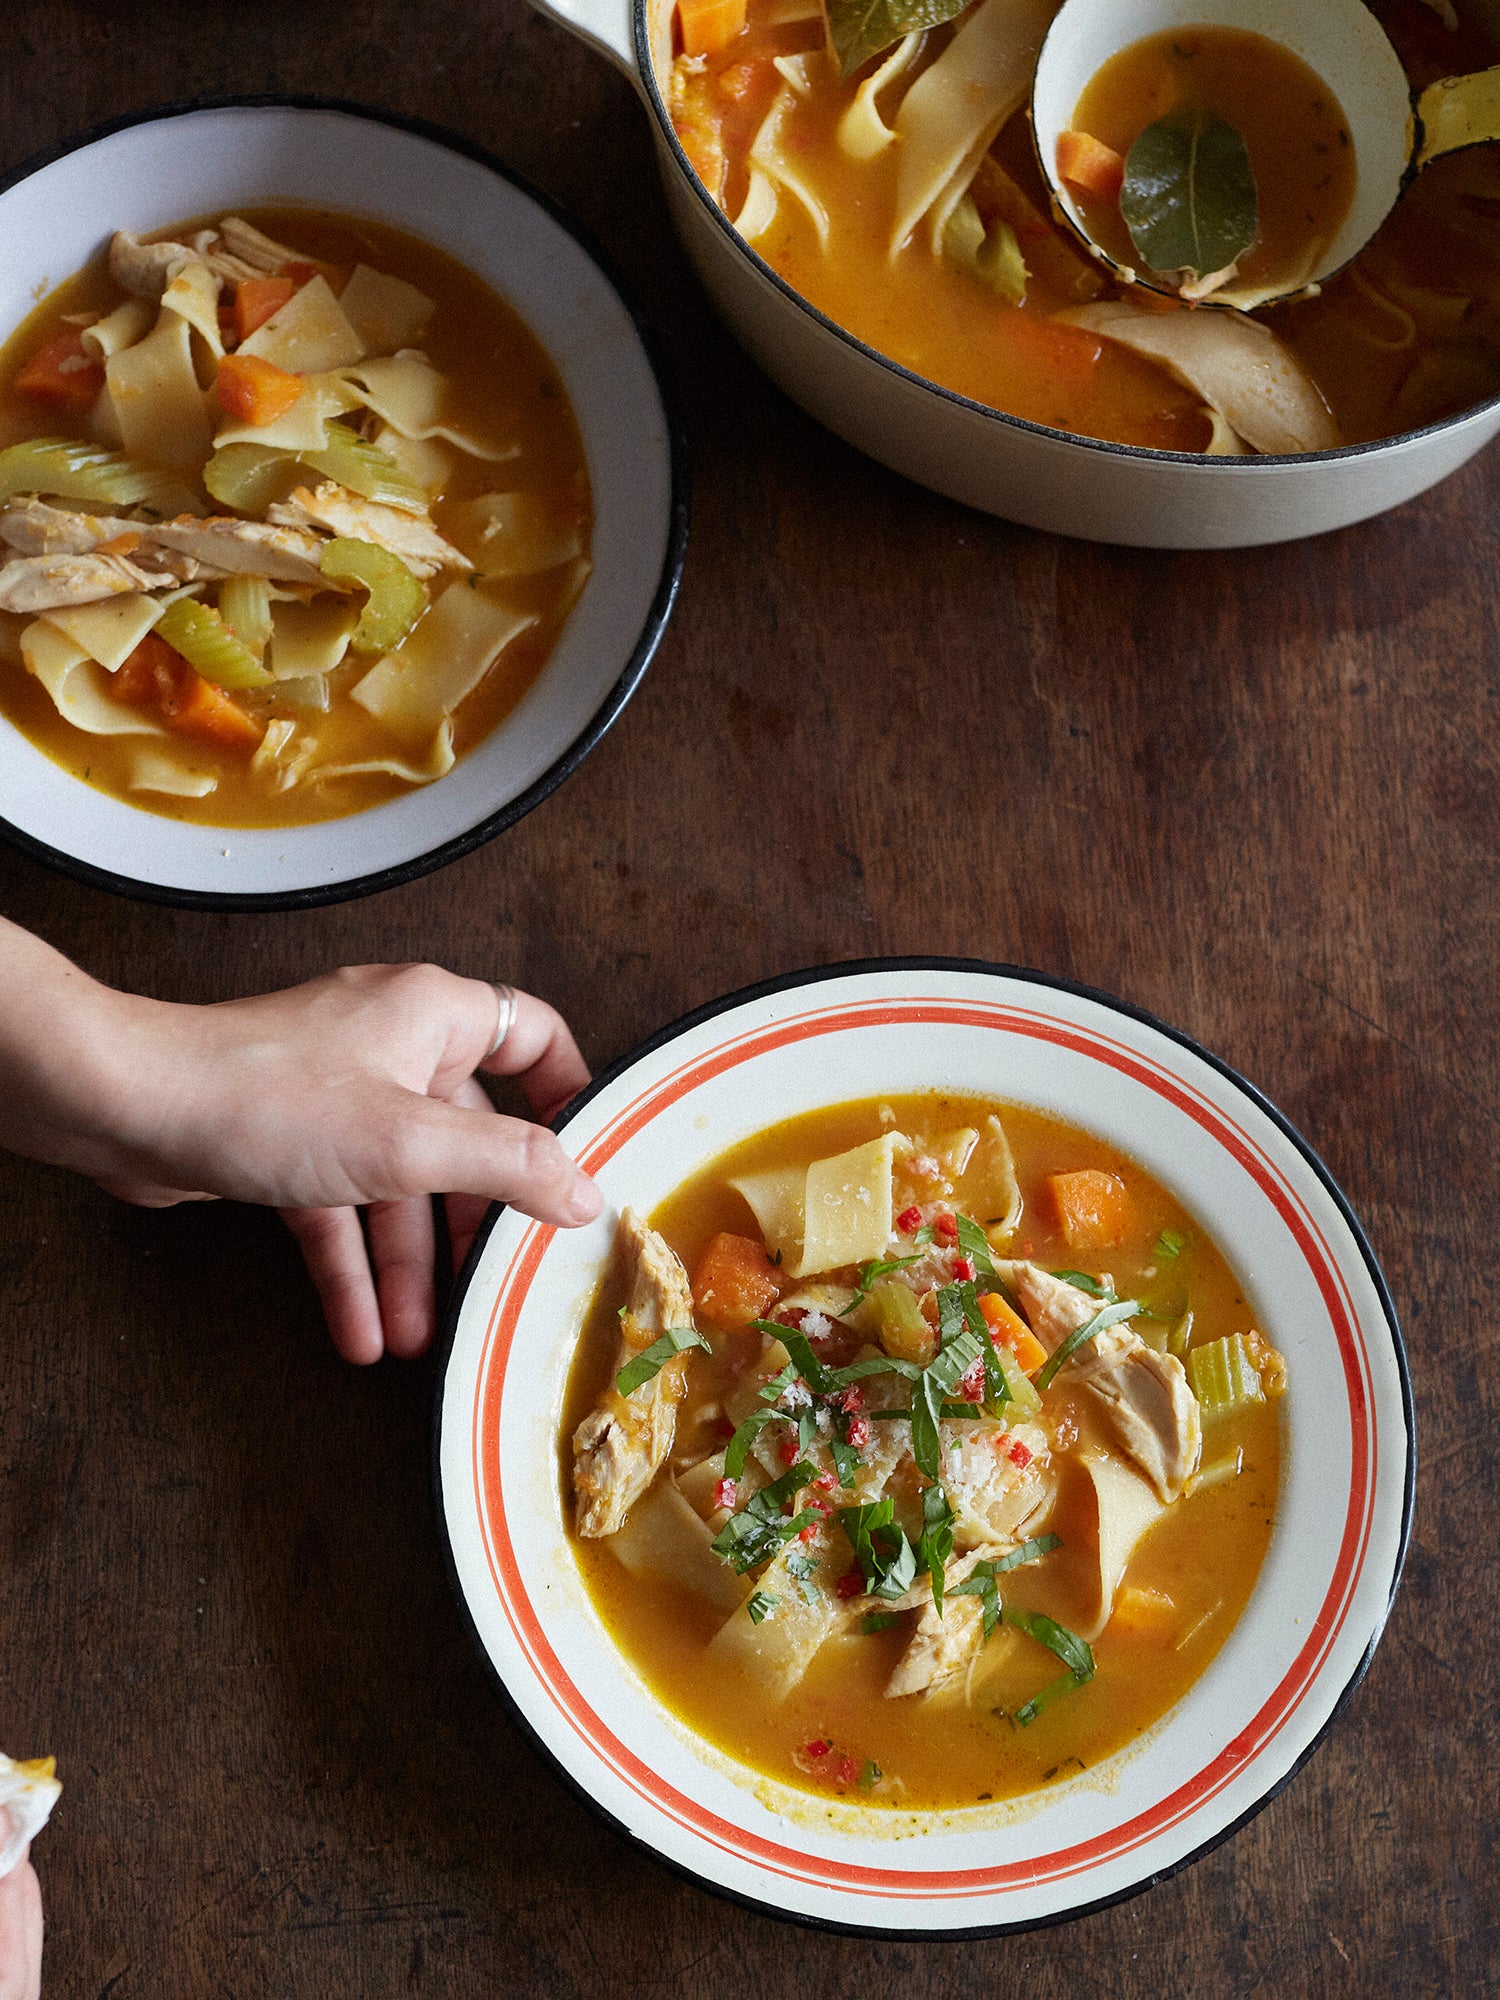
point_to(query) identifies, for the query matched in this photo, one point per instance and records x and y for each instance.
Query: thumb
(450, 1150)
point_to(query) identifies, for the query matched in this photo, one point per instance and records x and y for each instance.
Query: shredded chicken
(145, 269)
(1150, 1407)
(263, 253)
(50, 583)
(942, 1644)
(619, 1446)
(243, 548)
(334, 508)
(35, 529)
(1053, 1307)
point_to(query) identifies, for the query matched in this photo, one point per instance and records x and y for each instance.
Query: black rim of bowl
(349, 889)
(984, 968)
(1217, 468)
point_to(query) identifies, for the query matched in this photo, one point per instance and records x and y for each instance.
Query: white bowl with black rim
(145, 172)
(1348, 1449)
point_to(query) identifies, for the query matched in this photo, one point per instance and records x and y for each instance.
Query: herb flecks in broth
(288, 521)
(914, 1442)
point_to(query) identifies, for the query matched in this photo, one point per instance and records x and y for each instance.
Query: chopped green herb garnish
(879, 1621)
(1084, 1283)
(975, 1245)
(800, 1564)
(759, 1529)
(1076, 1654)
(887, 1561)
(761, 1605)
(871, 1774)
(873, 1364)
(807, 1429)
(1040, 1545)
(980, 1583)
(1171, 1243)
(936, 1545)
(924, 1235)
(778, 1386)
(1028, 1712)
(803, 1362)
(651, 1360)
(846, 1462)
(1110, 1316)
(961, 1348)
(869, 1273)
(738, 1448)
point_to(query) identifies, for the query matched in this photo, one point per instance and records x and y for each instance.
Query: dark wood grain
(1255, 793)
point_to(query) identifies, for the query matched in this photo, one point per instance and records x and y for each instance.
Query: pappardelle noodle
(881, 161)
(921, 1453)
(292, 511)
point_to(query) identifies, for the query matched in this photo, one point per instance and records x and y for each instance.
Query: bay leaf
(1190, 201)
(860, 29)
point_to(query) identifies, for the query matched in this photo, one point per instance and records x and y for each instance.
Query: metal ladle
(1395, 132)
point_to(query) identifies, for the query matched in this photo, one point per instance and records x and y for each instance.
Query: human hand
(357, 1090)
(20, 1933)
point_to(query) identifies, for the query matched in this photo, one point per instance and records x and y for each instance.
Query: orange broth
(943, 1750)
(503, 385)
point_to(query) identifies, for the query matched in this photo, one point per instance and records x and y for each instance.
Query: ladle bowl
(1395, 132)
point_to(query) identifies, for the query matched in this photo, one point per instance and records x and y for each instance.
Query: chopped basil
(871, 1774)
(980, 1583)
(1028, 1712)
(777, 1388)
(887, 1561)
(1076, 1654)
(1171, 1243)
(759, 1529)
(961, 1348)
(738, 1448)
(975, 1245)
(924, 1235)
(799, 1564)
(761, 1605)
(879, 1621)
(803, 1362)
(846, 1462)
(936, 1545)
(651, 1360)
(882, 1364)
(1084, 1283)
(1040, 1545)
(1110, 1316)
(807, 1429)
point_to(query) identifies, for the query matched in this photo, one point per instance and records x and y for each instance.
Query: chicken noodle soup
(923, 1452)
(292, 511)
(890, 178)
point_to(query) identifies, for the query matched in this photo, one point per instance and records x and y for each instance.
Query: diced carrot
(200, 709)
(1011, 1331)
(1145, 1614)
(1094, 1209)
(735, 1281)
(63, 372)
(256, 299)
(710, 25)
(255, 391)
(156, 676)
(1087, 163)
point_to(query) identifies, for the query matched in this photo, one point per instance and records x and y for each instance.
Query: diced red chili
(971, 1383)
(852, 1398)
(1018, 1454)
(846, 1771)
(807, 1533)
(859, 1432)
(786, 1450)
(726, 1493)
(946, 1227)
(909, 1221)
(963, 1267)
(817, 1748)
(850, 1584)
(825, 1482)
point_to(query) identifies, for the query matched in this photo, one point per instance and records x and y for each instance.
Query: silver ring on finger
(506, 995)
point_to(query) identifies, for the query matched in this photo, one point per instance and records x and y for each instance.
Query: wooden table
(1254, 793)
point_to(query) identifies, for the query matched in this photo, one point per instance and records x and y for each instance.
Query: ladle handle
(1457, 112)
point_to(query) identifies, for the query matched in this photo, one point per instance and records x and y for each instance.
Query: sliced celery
(1224, 1377)
(1024, 1395)
(207, 644)
(397, 598)
(898, 1318)
(992, 255)
(69, 470)
(251, 477)
(1177, 1339)
(245, 607)
(364, 468)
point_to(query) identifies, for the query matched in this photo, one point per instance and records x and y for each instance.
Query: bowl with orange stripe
(1240, 1732)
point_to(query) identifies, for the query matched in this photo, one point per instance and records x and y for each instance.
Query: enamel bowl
(1314, 1288)
(1002, 464)
(156, 169)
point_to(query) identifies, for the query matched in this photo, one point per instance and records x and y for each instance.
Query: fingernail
(584, 1200)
